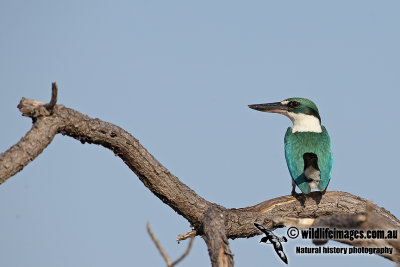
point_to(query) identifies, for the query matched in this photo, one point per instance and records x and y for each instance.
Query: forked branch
(162, 251)
(204, 216)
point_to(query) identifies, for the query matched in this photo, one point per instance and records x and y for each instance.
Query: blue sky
(179, 75)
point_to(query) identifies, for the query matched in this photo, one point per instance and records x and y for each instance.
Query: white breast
(304, 123)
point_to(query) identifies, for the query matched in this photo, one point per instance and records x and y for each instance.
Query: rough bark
(213, 222)
(213, 232)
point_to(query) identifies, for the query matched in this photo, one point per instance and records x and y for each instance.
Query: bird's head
(301, 111)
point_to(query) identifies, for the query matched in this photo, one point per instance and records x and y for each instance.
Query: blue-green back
(298, 143)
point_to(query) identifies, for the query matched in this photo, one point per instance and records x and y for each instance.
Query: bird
(274, 240)
(307, 144)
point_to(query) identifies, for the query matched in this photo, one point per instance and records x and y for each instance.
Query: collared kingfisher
(308, 149)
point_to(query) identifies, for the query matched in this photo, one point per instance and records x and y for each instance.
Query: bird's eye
(293, 104)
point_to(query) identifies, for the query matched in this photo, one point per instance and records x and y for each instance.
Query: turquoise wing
(296, 144)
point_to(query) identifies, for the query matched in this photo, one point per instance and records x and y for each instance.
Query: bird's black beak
(277, 107)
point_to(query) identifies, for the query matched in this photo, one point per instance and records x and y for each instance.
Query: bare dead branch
(162, 251)
(158, 245)
(69, 122)
(189, 247)
(35, 141)
(190, 234)
(368, 220)
(268, 212)
(238, 223)
(53, 100)
(365, 221)
(32, 144)
(214, 234)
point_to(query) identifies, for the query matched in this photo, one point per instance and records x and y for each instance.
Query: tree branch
(204, 217)
(43, 130)
(85, 129)
(186, 236)
(365, 220)
(53, 100)
(213, 232)
(158, 245)
(162, 251)
(189, 247)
